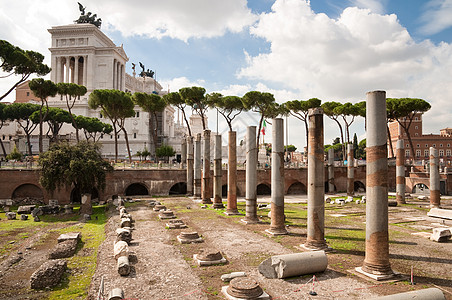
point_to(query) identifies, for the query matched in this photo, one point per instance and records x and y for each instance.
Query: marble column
(277, 226)
(85, 70)
(232, 174)
(331, 170)
(76, 65)
(190, 162)
(350, 171)
(206, 169)
(217, 174)
(183, 153)
(68, 67)
(251, 176)
(400, 172)
(197, 168)
(434, 178)
(376, 262)
(316, 183)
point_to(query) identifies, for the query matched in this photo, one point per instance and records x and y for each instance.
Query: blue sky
(335, 50)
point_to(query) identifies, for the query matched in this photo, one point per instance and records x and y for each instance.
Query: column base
(249, 220)
(378, 277)
(276, 231)
(217, 205)
(232, 212)
(316, 247)
(206, 201)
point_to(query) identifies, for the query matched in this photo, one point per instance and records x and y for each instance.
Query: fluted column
(206, 169)
(85, 70)
(316, 183)
(76, 70)
(232, 174)
(376, 262)
(217, 174)
(434, 178)
(350, 171)
(190, 158)
(331, 170)
(197, 167)
(68, 67)
(251, 176)
(400, 172)
(277, 226)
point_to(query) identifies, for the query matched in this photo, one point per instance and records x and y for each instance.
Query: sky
(334, 50)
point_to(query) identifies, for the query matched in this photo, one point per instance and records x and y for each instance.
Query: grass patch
(346, 240)
(82, 265)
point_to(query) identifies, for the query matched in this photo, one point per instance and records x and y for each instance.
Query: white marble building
(83, 54)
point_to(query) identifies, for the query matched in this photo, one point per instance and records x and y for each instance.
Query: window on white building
(134, 135)
(138, 114)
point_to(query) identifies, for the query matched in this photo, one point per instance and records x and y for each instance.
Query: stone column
(277, 226)
(331, 170)
(76, 70)
(197, 167)
(217, 174)
(232, 174)
(350, 171)
(190, 158)
(68, 67)
(400, 172)
(376, 261)
(183, 153)
(316, 183)
(85, 70)
(206, 169)
(434, 178)
(56, 74)
(251, 176)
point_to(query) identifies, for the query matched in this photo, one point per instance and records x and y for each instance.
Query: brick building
(422, 142)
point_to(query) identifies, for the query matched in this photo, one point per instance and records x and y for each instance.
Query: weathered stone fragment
(49, 274)
(64, 249)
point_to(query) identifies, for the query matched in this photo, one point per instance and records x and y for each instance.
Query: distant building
(83, 54)
(422, 142)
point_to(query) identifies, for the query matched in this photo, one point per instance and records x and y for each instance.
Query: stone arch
(76, 196)
(421, 188)
(179, 188)
(224, 190)
(327, 188)
(358, 186)
(296, 188)
(263, 189)
(28, 190)
(136, 189)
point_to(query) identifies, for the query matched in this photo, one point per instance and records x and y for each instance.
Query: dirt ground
(162, 268)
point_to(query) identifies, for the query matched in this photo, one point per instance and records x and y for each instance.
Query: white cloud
(376, 6)
(436, 18)
(341, 59)
(174, 84)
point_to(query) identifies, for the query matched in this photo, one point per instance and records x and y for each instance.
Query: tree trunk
(390, 142)
(186, 122)
(127, 143)
(116, 141)
(29, 144)
(307, 131)
(3, 148)
(151, 136)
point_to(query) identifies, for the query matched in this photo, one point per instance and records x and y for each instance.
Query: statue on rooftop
(87, 18)
(148, 73)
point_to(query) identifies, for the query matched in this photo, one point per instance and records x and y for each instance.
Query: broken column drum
(316, 183)
(232, 173)
(197, 168)
(434, 178)
(350, 171)
(217, 174)
(331, 170)
(206, 168)
(376, 259)
(277, 226)
(190, 159)
(400, 172)
(244, 288)
(183, 153)
(251, 175)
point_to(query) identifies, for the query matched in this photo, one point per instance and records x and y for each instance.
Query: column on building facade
(232, 174)
(118, 87)
(122, 88)
(331, 170)
(206, 168)
(434, 178)
(350, 170)
(68, 66)
(400, 172)
(197, 168)
(217, 174)
(251, 176)
(114, 74)
(376, 262)
(190, 161)
(85, 70)
(277, 226)
(54, 66)
(76, 66)
(58, 68)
